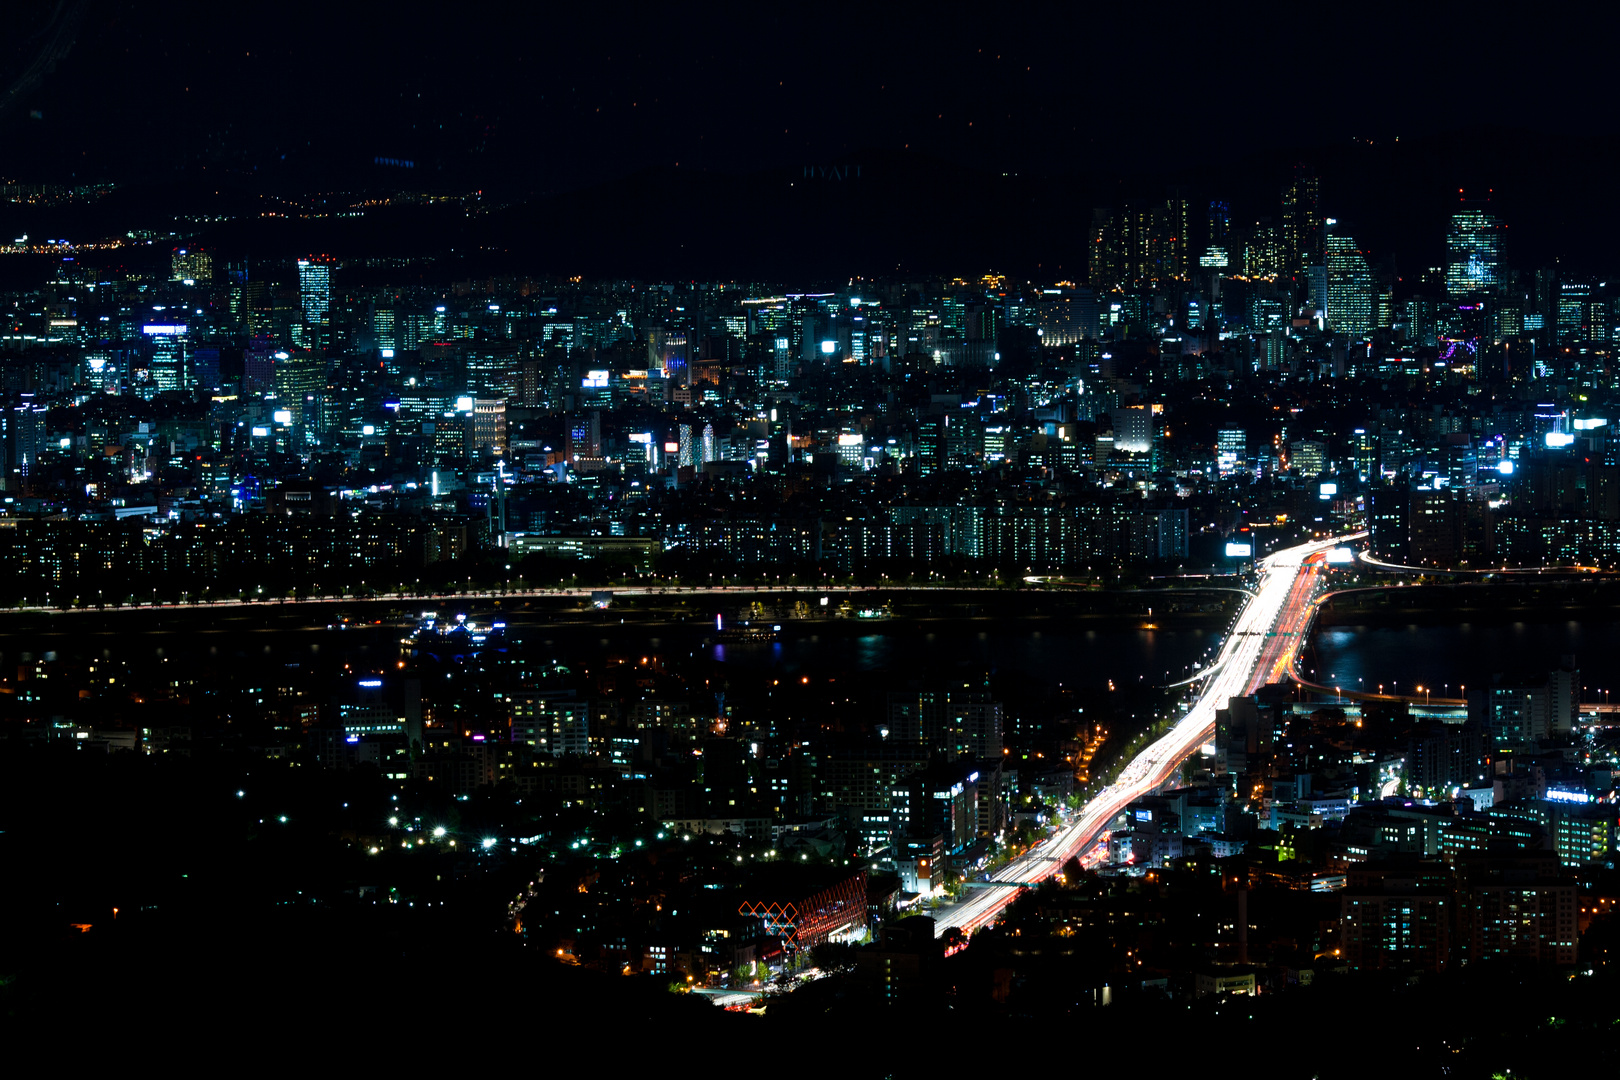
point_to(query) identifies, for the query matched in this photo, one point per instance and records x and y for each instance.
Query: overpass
(1261, 648)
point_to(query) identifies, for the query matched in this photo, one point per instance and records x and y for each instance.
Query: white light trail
(1235, 673)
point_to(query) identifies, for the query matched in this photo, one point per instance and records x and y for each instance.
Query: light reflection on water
(1464, 654)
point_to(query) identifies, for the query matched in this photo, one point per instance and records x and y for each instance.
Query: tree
(832, 955)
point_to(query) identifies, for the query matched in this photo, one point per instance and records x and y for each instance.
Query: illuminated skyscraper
(1302, 220)
(1231, 450)
(1263, 253)
(1473, 254)
(315, 289)
(191, 264)
(1349, 287)
(168, 366)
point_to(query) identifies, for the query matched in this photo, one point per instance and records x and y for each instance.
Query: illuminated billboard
(1238, 551)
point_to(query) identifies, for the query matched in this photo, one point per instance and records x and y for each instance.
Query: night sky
(549, 100)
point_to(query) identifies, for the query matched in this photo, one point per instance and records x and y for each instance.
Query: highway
(1261, 646)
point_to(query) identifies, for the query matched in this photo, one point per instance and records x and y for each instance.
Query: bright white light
(1505, 467)
(1559, 438)
(489, 842)
(438, 831)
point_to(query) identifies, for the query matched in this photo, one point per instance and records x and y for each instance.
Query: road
(1261, 646)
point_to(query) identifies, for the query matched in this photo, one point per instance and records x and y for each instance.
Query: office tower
(1384, 310)
(315, 289)
(1302, 220)
(1364, 451)
(1315, 279)
(27, 433)
(1349, 287)
(1139, 245)
(1307, 457)
(167, 370)
(1171, 240)
(1231, 450)
(1107, 259)
(1220, 223)
(685, 443)
(708, 446)
(298, 375)
(781, 360)
(487, 426)
(1263, 252)
(1133, 428)
(205, 368)
(382, 328)
(1473, 254)
(1574, 303)
(191, 265)
(259, 367)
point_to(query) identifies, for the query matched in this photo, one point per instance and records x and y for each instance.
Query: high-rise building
(1302, 220)
(1231, 450)
(1263, 252)
(1473, 254)
(487, 426)
(1574, 306)
(167, 369)
(1141, 244)
(1349, 286)
(1220, 223)
(315, 289)
(191, 265)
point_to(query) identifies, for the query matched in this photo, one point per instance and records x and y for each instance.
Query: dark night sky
(551, 99)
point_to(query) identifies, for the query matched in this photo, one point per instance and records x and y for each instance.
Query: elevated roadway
(1261, 647)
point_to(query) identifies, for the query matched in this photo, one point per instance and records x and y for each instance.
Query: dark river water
(1446, 656)
(1035, 654)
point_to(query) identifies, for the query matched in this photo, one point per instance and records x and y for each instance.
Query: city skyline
(749, 524)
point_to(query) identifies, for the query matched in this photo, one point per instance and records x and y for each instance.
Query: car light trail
(1259, 649)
